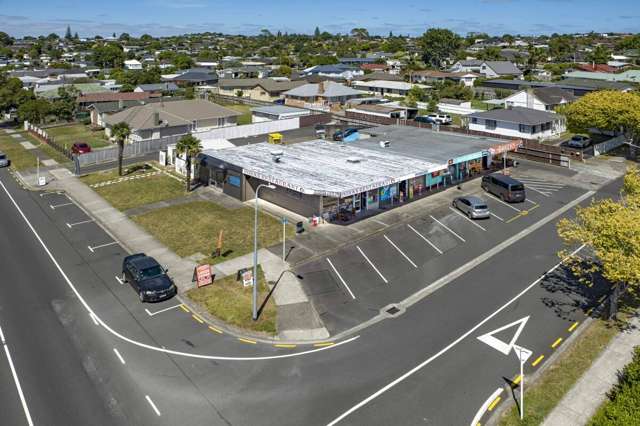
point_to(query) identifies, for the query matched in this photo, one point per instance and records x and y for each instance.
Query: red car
(80, 148)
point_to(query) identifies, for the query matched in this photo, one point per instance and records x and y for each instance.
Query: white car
(4, 161)
(440, 118)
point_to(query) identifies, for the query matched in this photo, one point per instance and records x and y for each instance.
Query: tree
(438, 45)
(599, 55)
(12, 95)
(183, 61)
(535, 56)
(5, 39)
(610, 229)
(509, 39)
(360, 33)
(189, 93)
(65, 106)
(453, 90)
(120, 131)
(34, 110)
(189, 146)
(606, 110)
(491, 53)
(67, 35)
(316, 33)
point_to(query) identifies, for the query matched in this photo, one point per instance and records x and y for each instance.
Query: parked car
(4, 160)
(148, 278)
(341, 134)
(80, 148)
(473, 207)
(436, 118)
(505, 187)
(579, 141)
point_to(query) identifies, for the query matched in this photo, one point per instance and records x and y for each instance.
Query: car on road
(148, 278)
(579, 141)
(342, 134)
(504, 187)
(4, 160)
(80, 148)
(434, 118)
(473, 207)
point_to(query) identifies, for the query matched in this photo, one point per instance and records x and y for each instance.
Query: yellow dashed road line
(282, 345)
(557, 342)
(252, 342)
(215, 329)
(197, 318)
(494, 403)
(517, 379)
(184, 308)
(323, 344)
(573, 326)
(537, 361)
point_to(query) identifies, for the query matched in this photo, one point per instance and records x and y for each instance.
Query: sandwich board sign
(203, 275)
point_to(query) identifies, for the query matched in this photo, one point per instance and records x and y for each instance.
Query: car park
(473, 207)
(80, 148)
(4, 160)
(579, 141)
(504, 187)
(148, 278)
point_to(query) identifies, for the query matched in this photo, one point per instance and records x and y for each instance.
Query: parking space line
(119, 280)
(497, 217)
(425, 238)
(119, 356)
(529, 201)
(50, 193)
(372, 265)
(502, 202)
(448, 229)
(92, 249)
(71, 225)
(152, 405)
(162, 310)
(465, 217)
(59, 205)
(400, 251)
(341, 279)
(546, 194)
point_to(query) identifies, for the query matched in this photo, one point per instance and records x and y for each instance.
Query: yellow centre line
(517, 379)
(184, 308)
(323, 344)
(573, 326)
(253, 342)
(282, 345)
(215, 329)
(557, 342)
(494, 403)
(197, 318)
(537, 361)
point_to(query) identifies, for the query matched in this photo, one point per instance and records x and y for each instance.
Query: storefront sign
(203, 275)
(511, 146)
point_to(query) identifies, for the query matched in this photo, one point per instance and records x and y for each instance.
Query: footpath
(583, 400)
(297, 318)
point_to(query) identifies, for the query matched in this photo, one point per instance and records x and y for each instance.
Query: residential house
(98, 111)
(374, 67)
(369, 111)
(276, 112)
(489, 69)
(85, 100)
(632, 76)
(324, 95)
(467, 79)
(133, 64)
(347, 72)
(386, 88)
(541, 98)
(157, 88)
(193, 78)
(518, 122)
(161, 119)
(379, 75)
(577, 86)
(358, 61)
(249, 71)
(260, 89)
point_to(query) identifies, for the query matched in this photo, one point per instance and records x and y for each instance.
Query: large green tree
(599, 55)
(189, 146)
(120, 131)
(438, 45)
(34, 110)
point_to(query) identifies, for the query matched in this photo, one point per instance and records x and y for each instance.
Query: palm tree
(190, 146)
(120, 131)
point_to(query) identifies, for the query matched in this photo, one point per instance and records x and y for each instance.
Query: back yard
(67, 135)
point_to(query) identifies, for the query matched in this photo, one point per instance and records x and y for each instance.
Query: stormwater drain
(392, 311)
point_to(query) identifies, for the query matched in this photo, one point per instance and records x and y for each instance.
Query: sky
(413, 17)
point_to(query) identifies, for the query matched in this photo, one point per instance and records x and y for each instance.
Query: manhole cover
(393, 310)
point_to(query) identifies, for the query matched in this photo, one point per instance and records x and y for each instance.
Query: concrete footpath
(583, 400)
(297, 319)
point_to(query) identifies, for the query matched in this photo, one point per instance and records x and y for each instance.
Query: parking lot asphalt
(354, 283)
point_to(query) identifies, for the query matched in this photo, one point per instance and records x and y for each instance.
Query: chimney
(321, 88)
(156, 118)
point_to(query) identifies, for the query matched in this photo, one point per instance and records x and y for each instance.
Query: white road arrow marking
(498, 344)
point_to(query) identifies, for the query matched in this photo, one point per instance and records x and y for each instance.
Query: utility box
(275, 138)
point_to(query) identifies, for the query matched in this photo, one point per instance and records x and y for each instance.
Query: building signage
(505, 147)
(203, 275)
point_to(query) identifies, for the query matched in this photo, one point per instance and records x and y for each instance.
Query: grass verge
(231, 302)
(47, 149)
(20, 158)
(543, 395)
(67, 135)
(194, 228)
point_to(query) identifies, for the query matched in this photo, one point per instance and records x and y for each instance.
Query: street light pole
(255, 252)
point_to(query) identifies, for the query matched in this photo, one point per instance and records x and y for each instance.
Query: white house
(489, 69)
(541, 99)
(517, 122)
(385, 87)
(133, 64)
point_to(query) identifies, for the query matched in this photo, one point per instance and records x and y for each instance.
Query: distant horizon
(162, 18)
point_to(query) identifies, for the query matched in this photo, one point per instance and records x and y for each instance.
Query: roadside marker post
(523, 355)
(284, 237)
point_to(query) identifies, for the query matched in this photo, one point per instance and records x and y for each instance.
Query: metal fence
(134, 149)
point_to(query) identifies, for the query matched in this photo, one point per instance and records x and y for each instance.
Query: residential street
(426, 365)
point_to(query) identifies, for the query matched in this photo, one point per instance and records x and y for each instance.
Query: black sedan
(148, 278)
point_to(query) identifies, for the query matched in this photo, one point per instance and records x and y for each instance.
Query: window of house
(524, 128)
(474, 120)
(490, 124)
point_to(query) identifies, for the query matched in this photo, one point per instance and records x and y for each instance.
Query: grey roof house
(325, 93)
(489, 69)
(518, 122)
(166, 87)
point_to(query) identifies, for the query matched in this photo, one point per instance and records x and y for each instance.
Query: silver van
(473, 207)
(4, 161)
(504, 187)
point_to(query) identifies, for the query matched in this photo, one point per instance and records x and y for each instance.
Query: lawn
(136, 192)
(50, 151)
(245, 118)
(194, 228)
(21, 158)
(228, 300)
(67, 135)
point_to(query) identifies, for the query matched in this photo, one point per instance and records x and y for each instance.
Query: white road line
(448, 229)
(496, 216)
(92, 249)
(465, 217)
(16, 380)
(71, 225)
(341, 279)
(50, 193)
(162, 310)
(540, 182)
(59, 205)
(372, 265)
(119, 356)
(94, 318)
(152, 405)
(449, 346)
(532, 202)
(425, 238)
(546, 194)
(400, 251)
(484, 406)
(119, 280)
(139, 344)
(379, 222)
(502, 202)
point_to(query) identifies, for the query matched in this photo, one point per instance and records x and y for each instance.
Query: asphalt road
(424, 366)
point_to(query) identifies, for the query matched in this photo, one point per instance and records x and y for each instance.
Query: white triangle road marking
(498, 344)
